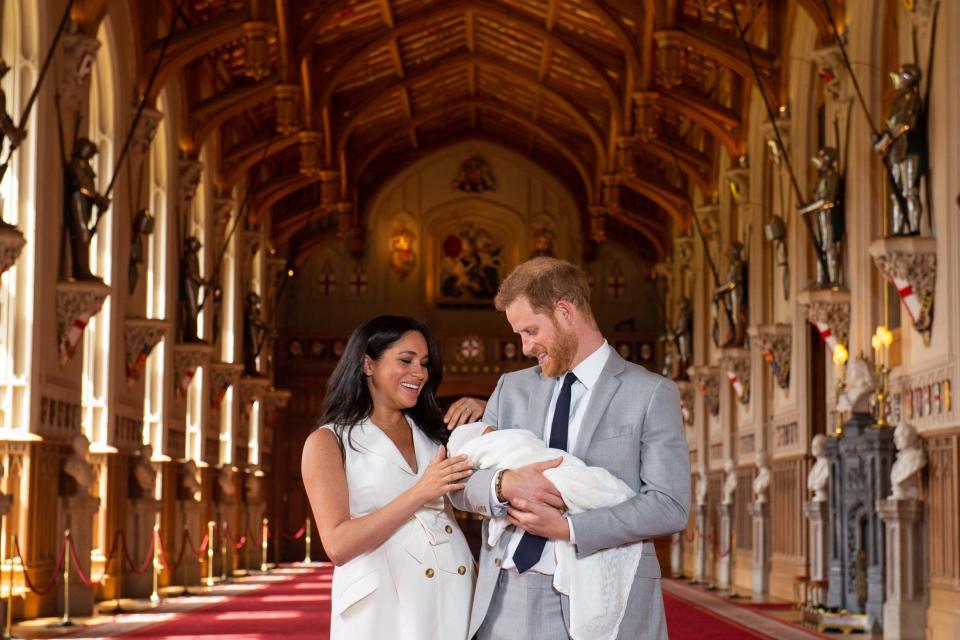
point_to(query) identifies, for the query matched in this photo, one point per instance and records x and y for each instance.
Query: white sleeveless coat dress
(418, 585)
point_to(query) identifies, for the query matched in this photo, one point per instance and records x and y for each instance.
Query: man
(584, 398)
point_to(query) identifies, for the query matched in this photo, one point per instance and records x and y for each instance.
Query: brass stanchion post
(8, 622)
(155, 595)
(223, 550)
(210, 526)
(65, 620)
(306, 557)
(264, 530)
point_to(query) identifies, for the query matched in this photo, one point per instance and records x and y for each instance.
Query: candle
(840, 356)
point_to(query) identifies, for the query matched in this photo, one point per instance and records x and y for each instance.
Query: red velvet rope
(146, 561)
(204, 544)
(296, 536)
(76, 565)
(54, 578)
(163, 555)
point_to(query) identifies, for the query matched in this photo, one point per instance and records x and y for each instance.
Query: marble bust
(76, 465)
(911, 459)
(143, 471)
(701, 487)
(762, 481)
(189, 480)
(729, 482)
(860, 387)
(820, 471)
(225, 481)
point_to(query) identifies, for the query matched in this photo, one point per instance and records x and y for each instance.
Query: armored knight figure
(731, 297)
(253, 334)
(683, 335)
(904, 147)
(191, 283)
(826, 209)
(81, 198)
(142, 226)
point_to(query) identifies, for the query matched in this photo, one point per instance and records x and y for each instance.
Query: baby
(597, 585)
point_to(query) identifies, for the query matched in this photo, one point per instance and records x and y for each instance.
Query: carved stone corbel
(598, 223)
(222, 212)
(77, 302)
(774, 342)
(249, 390)
(909, 263)
(707, 381)
(143, 135)
(829, 311)
(189, 174)
(738, 181)
(688, 392)
(11, 244)
(257, 34)
(273, 401)
(141, 335)
(222, 375)
(770, 137)
(735, 364)
(187, 358)
(76, 66)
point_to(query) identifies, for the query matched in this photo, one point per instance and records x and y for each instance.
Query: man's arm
(476, 496)
(663, 502)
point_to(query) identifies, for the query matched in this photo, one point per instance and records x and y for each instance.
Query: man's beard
(560, 355)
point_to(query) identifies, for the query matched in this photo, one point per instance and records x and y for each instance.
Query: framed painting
(470, 265)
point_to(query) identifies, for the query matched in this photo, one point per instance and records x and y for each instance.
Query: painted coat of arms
(475, 176)
(471, 264)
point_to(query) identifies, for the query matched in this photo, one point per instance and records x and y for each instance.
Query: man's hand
(539, 519)
(463, 411)
(529, 484)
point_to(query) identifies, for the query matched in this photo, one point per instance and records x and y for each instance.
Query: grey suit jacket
(632, 427)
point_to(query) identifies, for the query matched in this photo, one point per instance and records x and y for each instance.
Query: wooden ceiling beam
(670, 200)
(470, 24)
(239, 159)
(386, 11)
(553, 9)
(395, 58)
(208, 114)
(640, 224)
(503, 69)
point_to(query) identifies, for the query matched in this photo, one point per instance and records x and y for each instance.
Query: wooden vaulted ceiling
(318, 102)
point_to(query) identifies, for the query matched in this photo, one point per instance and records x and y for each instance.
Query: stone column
(76, 513)
(816, 513)
(676, 555)
(139, 537)
(760, 511)
(904, 610)
(189, 519)
(724, 547)
(700, 546)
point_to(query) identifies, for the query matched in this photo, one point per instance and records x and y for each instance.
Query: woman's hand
(463, 411)
(442, 476)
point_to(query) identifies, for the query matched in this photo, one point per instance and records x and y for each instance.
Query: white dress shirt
(587, 373)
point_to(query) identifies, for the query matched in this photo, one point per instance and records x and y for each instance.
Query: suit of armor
(191, 282)
(81, 198)
(828, 221)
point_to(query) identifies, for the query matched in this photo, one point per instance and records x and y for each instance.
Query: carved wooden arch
(277, 189)
(238, 162)
(706, 120)
(480, 60)
(214, 111)
(689, 168)
(187, 46)
(412, 25)
(670, 201)
(635, 222)
(481, 103)
(601, 11)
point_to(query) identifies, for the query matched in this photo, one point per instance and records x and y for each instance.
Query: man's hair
(544, 282)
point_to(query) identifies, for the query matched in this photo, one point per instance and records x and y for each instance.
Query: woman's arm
(325, 480)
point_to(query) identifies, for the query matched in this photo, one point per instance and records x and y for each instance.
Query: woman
(376, 475)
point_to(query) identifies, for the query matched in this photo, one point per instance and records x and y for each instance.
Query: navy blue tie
(528, 552)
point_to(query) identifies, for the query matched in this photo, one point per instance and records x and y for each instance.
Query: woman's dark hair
(348, 400)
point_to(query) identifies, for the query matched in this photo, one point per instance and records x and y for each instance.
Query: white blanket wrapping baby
(598, 585)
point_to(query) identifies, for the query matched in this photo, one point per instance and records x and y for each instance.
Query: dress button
(429, 573)
(448, 529)
(461, 569)
(496, 562)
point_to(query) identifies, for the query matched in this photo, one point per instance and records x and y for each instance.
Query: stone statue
(142, 226)
(903, 145)
(729, 482)
(143, 471)
(859, 388)
(225, 482)
(701, 489)
(820, 471)
(81, 198)
(76, 465)
(683, 335)
(911, 459)
(189, 480)
(191, 284)
(827, 212)
(732, 297)
(253, 334)
(762, 481)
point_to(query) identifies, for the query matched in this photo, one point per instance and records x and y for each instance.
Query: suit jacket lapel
(539, 404)
(607, 385)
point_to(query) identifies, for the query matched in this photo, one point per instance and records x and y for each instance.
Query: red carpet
(686, 621)
(290, 609)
